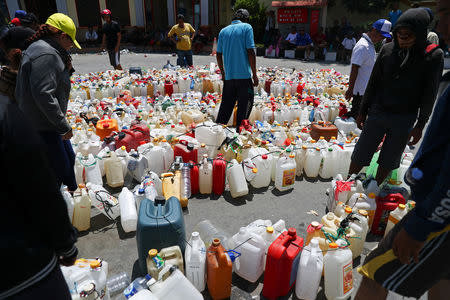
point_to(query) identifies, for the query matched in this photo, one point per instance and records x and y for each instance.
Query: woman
(42, 91)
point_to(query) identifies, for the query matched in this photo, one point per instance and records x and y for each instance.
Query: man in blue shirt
(304, 42)
(237, 62)
(394, 14)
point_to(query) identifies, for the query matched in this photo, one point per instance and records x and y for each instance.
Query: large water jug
(171, 284)
(160, 225)
(331, 221)
(173, 256)
(208, 232)
(168, 154)
(137, 164)
(69, 201)
(315, 230)
(90, 170)
(345, 126)
(156, 159)
(309, 271)
(113, 170)
(102, 155)
(263, 164)
(300, 157)
(249, 265)
(329, 161)
(395, 216)
(236, 180)
(210, 134)
(219, 271)
(101, 199)
(357, 238)
(171, 183)
(195, 258)
(338, 277)
(312, 162)
(285, 173)
(128, 213)
(82, 209)
(205, 176)
(123, 156)
(219, 170)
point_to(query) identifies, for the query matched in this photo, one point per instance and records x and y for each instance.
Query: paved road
(108, 241)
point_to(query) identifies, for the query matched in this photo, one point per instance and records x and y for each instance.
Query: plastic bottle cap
(152, 253)
(333, 137)
(81, 185)
(348, 209)
(333, 245)
(372, 196)
(412, 203)
(205, 155)
(416, 173)
(95, 264)
(402, 206)
(292, 232)
(264, 156)
(142, 143)
(315, 224)
(216, 242)
(255, 170)
(363, 212)
(123, 148)
(195, 235)
(321, 138)
(330, 149)
(317, 149)
(312, 141)
(348, 142)
(292, 156)
(304, 147)
(269, 229)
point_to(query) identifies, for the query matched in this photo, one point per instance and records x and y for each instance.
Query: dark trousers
(185, 58)
(114, 57)
(240, 90)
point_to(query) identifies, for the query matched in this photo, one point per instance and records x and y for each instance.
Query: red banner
(292, 15)
(314, 25)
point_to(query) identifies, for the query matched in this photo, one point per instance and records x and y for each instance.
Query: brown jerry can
(325, 129)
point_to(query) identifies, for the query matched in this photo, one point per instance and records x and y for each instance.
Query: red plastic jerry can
(282, 261)
(126, 138)
(384, 206)
(194, 179)
(219, 168)
(168, 88)
(267, 85)
(141, 132)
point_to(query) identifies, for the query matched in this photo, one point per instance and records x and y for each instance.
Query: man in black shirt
(111, 39)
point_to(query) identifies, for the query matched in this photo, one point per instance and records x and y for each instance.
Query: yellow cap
(401, 206)
(321, 138)
(317, 149)
(65, 24)
(123, 148)
(95, 264)
(304, 147)
(152, 253)
(255, 170)
(269, 229)
(203, 145)
(363, 212)
(292, 156)
(312, 141)
(164, 141)
(348, 209)
(372, 196)
(333, 245)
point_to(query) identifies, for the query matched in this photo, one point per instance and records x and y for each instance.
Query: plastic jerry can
(194, 178)
(105, 127)
(195, 259)
(338, 277)
(128, 213)
(219, 271)
(331, 221)
(113, 170)
(314, 231)
(171, 184)
(328, 169)
(187, 152)
(218, 171)
(172, 256)
(384, 206)
(236, 180)
(357, 239)
(312, 162)
(285, 173)
(171, 284)
(168, 154)
(300, 157)
(69, 201)
(168, 88)
(263, 165)
(205, 179)
(309, 271)
(250, 265)
(103, 201)
(282, 262)
(82, 209)
(160, 225)
(155, 159)
(155, 263)
(395, 217)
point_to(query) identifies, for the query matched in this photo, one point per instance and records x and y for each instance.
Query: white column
(139, 8)
(61, 6)
(13, 5)
(171, 12)
(324, 17)
(204, 12)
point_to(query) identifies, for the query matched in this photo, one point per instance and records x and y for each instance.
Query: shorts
(394, 128)
(413, 280)
(114, 57)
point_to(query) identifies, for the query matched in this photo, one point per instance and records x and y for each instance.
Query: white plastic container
(395, 216)
(300, 157)
(250, 265)
(128, 213)
(92, 170)
(144, 295)
(212, 135)
(285, 173)
(137, 164)
(168, 154)
(263, 163)
(122, 155)
(113, 170)
(328, 164)
(174, 287)
(312, 162)
(331, 221)
(69, 201)
(357, 239)
(236, 180)
(156, 159)
(82, 209)
(195, 259)
(205, 176)
(309, 271)
(338, 277)
(101, 198)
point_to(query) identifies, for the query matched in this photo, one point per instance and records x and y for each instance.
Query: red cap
(292, 232)
(106, 12)
(264, 156)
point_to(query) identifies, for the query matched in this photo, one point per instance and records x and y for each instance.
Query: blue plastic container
(160, 225)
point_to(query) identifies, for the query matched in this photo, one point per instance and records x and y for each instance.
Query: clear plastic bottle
(137, 285)
(185, 181)
(117, 283)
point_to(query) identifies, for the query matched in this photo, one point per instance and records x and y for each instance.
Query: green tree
(367, 6)
(257, 13)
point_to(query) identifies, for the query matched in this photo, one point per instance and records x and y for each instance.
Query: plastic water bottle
(149, 189)
(117, 283)
(186, 181)
(137, 285)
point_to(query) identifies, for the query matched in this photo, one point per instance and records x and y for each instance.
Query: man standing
(182, 34)
(304, 42)
(111, 38)
(413, 257)
(237, 62)
(400, 95)
(363, 59)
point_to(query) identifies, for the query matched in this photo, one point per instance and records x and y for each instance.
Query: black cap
(241, 14)
(29, 19)
(16, 37)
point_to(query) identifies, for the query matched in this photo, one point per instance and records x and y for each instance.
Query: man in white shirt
(363, 60)
(291, 39)
(91, 36)
(348, 44)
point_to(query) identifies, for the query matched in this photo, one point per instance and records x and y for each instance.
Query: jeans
(184, 58)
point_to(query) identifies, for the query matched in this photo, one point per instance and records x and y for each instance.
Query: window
(88, 13)
(120, 11)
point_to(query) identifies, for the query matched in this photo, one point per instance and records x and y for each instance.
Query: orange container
(219, 269)
(105, 127)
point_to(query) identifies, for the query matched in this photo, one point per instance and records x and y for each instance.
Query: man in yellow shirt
(183, 34)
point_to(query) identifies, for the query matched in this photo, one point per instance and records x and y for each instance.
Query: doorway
(41, 8)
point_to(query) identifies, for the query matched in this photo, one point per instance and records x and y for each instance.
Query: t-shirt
(349, 43)
(183, 36)
(292, 38)
(111, 30)
(394, 15)
(91, 36)
(319, 38)
(303, 40)
(234, 41)
(364, 56)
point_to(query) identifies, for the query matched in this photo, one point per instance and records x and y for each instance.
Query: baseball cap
(105, 12)
(383, 26)
(16, 37)
(65, 24)
(20, 13)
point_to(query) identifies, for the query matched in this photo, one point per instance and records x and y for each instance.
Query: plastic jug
(160, 225)
(312, 162)
(218, 170)
(357, 238)
(219, 271)
(315, 230)
(309, 271)
(156, 159)
(263, 164)
(173, 285)
(105, 127)
(205, 179)
(168, 154)
(282, 264)
(143, 295)
(194, 174)
(137, 164)
(252, 248)
(208, 232)
(210, 134)
(155, 263)
(128, 213)
(172, 186)
(395, 216)
(195, 258)
(285, 173)
(300, 157)
(236, 180)
(331, 221)
(69, 201)
(82, 209)
(172, 256)
(113, 170)
(328, 169)
(91, 170)
(384, 206)
(338, 277)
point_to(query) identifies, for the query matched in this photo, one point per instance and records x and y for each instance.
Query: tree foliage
(366, 6)
(257, 13)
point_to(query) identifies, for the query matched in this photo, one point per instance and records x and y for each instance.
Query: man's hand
(360, 119)
(349, 94)
(255, 80)
(68, 135)
(416, 134)
(405, 247)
